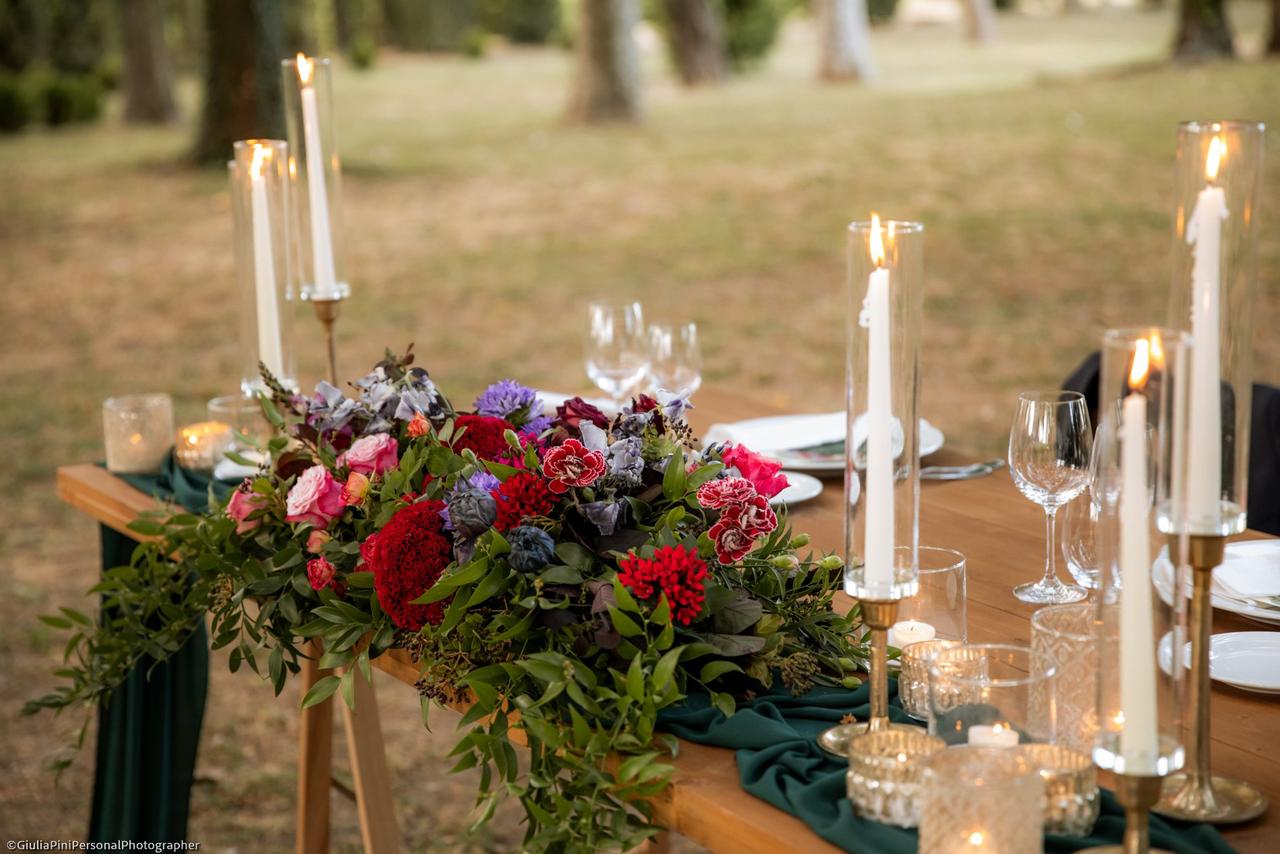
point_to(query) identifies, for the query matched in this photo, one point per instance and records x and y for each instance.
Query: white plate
(803, 487)
(1162, 576)
(931, 441)
(1246, 660)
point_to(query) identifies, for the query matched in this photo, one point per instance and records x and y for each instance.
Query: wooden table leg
(369, 772)
(315, 760)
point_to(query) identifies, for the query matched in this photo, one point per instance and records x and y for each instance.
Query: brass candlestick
(878, 616)
(327, 314)
(1195, 794)
(1137, 794)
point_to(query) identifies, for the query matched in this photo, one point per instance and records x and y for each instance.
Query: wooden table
(1002, 536)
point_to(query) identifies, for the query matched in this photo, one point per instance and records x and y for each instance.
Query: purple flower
(515, 403)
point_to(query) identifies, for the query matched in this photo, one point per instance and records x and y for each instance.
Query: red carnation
(521, 496)
(407, 557)
(754, 516)
(724, 491)
(571, 464)
(732, 543)
(674, 570)
(483, 435)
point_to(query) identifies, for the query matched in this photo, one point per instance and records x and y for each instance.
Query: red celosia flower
(484, 436)
(571, 464)
(715, 494)
(520, 496)
(674, 570)
(407, 557)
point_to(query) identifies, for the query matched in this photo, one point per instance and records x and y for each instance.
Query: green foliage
(75, 36)
(522, 21)
(440, 25)
(474, 44)
(16, 108)
(750, 29)
(881, 11)
(19, 33)
(363, 53)
(67, 99)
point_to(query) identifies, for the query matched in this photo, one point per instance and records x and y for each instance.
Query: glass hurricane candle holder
(316, 174)
(1215, 252)
(138, 432)
(259, 198)
(939, 607)
(1065, 633)
(250, 429)
(980, 799)
(1070, 805)
(200, 446)
(992, 695)
(886, 267)
(913, 676)
(885, 773)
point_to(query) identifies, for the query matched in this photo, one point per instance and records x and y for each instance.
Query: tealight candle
(200, 446)
(995, 735)
(906, 632)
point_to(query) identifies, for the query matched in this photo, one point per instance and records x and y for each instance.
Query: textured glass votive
(913, 678)
(983, 695)
(885, 773)
(138, 432)
(1066, 634)
(939, 609)
(1070, 787)
(201, 446)
(980, 799)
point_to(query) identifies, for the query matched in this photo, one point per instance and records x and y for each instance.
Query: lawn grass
(477, 225)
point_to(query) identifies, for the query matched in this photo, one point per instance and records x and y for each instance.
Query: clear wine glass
(675, 361)
(1080, 522)
(617, 348)
(1049, 459)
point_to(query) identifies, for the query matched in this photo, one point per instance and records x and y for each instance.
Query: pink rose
(763, 472)
(355, 489)
(244, 501)
(571, 464)
(724, 491)
(320, 573)
(316, 541)
(315, 498)
(372, 455)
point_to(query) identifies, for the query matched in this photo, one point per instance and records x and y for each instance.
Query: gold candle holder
(878, 616)
(1137, 794)
(1196, 794)
(327, 313)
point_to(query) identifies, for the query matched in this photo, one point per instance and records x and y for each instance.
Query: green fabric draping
(780, 762)
(149, 730)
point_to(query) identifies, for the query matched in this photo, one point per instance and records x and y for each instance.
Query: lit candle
(878, 546)
(1204, 467)
(200, 446)
(264, 269)
(906, 632)
(995, 735)
(326, 286)
(1137, 641)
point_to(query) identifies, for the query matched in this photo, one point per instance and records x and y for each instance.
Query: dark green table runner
(780, 762)
(149, 731)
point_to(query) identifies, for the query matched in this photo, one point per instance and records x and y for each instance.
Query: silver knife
(960, 472)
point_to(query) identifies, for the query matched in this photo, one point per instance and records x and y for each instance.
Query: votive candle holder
(1070, 805)
(913, 677)
(885, 774)
(980, 799)
(1066, 633)
(992, 695)
(200, 446)
(138, 432)
(939, 607)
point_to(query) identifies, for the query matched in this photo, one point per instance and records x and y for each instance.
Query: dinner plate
(1249, 661)
(930, 437)
(1162, 576)
(801, 488)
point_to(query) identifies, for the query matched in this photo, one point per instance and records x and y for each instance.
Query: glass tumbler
(992, 695)
(1065, 633)
(939, 608)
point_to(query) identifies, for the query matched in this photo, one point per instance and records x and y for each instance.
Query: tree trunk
(1203, 31)
(346, 18)
(980, 20)
(696, 37)
(845, 41)
(148, 83)
(1273, 43)
(242, 81)
(606, 85)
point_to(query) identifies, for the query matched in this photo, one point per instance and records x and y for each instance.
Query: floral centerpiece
(561, 574)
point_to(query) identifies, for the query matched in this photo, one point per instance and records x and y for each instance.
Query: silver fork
(960, 472)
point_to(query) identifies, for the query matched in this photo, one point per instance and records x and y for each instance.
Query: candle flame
(1217, 150)
(1141, 364)
(1157, 352)
(976, 838)
(305, 69)
(877, 242)
(997, 728)
(135, 439)
(261, 154)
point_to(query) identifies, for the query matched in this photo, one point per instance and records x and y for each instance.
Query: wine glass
(1049, 460)
(617, 349)
(1080, 521)
(675, 362)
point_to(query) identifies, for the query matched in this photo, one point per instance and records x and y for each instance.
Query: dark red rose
(643, 403)
(571, 464)
(575, 410)
(484, 436)
(407, 557)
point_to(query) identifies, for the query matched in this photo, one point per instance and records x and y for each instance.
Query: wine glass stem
(1050, 547)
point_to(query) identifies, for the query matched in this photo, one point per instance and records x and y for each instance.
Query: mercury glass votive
(200, 446)
(992, 695)
(913, 677)
(885, 774)
(1071, 801)
(138, 432)
(1066, 634)
(939, 608)
(980, 799)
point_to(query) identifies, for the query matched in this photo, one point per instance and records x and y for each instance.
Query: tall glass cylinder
(1215, 260)
(1141, 611)
(260, 206)
(316, 174)
(882, 463)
